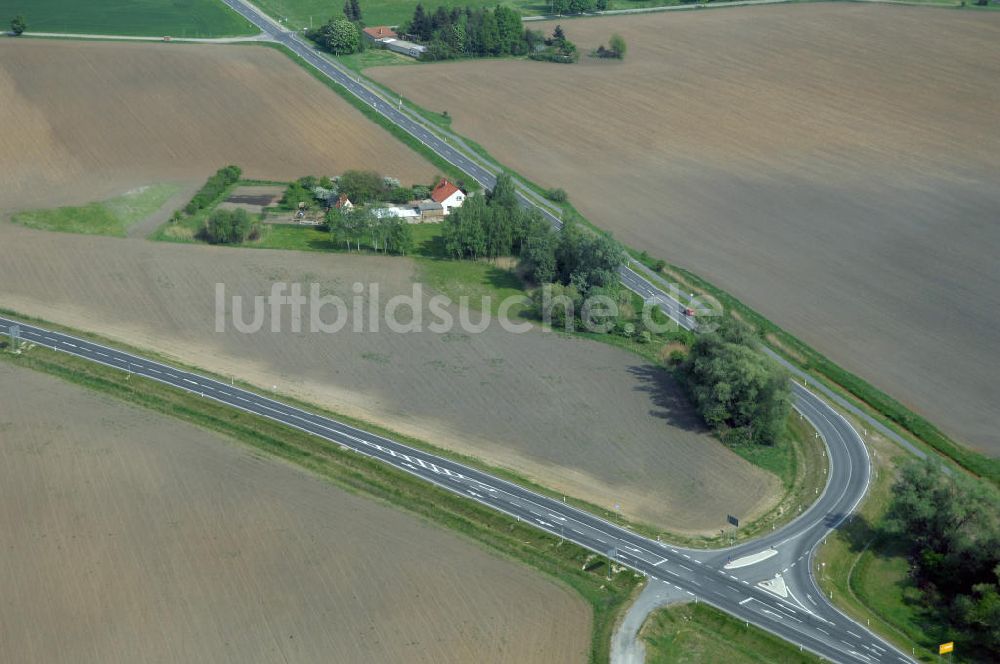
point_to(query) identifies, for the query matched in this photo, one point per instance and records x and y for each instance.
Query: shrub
(557, 195)
(230, 227)
(297, 192)
(400, 195)
(738, 391)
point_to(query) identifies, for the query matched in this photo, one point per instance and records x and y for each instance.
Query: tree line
(361, 187)
(578, 6)
(213, 188)
(373, 226)
(478, 32)
(341, 35)
(496, 225)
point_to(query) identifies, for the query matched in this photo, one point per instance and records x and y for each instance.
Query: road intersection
(776, 592)
(801, 616)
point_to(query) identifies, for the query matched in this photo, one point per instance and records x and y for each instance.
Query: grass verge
(701, 633)
(568, 563)
(111, 217)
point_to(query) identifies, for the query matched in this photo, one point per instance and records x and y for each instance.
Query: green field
(699, 633)
(110, 217)
(155, 18)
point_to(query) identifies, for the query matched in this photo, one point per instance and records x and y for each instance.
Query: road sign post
(15, 338)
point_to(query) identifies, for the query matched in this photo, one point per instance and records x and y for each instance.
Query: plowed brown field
(86, 121)
(132, 538)
(578, 416)
(834, 166)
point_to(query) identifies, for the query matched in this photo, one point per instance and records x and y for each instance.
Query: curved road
(793, 609)
(803, 618)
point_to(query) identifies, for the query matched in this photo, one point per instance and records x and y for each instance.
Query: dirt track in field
(833, 166)
(87, 121)
(577, 416)
(131, 537)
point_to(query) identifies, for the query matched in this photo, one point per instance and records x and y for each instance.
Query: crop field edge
(446, 168)
(751, 529)
(361, 475)
(873, 400)
(233, 21)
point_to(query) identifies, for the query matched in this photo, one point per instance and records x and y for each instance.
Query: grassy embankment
(570, 564)
(700, 633)
(152, 18)
(110, 217)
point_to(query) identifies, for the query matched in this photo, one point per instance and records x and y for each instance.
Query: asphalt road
(805, 619)
(802, 616)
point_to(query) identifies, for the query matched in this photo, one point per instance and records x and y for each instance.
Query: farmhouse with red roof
(448, 195)
(380, 33)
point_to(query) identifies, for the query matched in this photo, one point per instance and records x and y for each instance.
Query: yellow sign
(946, 647)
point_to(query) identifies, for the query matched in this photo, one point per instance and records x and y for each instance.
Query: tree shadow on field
(671, 404)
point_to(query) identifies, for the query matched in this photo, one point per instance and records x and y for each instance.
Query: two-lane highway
(701, 574)
(800, 615)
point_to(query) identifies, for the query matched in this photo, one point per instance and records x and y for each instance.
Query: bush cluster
(496, 225)
(738, 391)
(950, 526)
(230, 227)
(360, 187)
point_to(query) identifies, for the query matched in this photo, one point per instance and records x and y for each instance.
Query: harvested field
(578, 416)
(88, 121)
(131, 537)
(833, 166)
